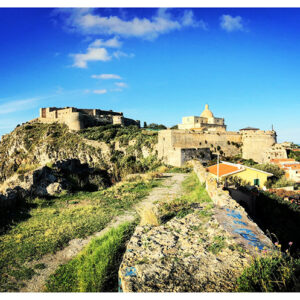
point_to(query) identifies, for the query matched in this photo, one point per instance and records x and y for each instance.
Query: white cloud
(87, 21)
(111, 43)
(121, 84)
(116, 90)
(93, 54)
(104, 91)
(17, 105)
(106, 76)
(118, 54)
(229, 23)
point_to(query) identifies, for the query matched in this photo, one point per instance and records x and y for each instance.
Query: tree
(157, 126)
(270, 168)
(145, 124)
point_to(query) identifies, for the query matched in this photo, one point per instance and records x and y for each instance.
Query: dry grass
(148, 216)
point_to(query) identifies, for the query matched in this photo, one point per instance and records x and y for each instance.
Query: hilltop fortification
(198, 137)
(77, 119)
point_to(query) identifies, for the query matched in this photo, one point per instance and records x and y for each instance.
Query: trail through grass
(95, 269)
(52, 224)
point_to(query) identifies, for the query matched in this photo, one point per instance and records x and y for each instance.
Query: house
(227, 169)
(290, 166)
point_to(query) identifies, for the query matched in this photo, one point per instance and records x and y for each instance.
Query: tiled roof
(280, 160)
(293, 167)
(224, 169)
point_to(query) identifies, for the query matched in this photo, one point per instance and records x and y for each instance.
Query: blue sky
(155, 65)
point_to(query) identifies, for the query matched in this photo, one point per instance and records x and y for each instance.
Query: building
(206, 122)
(208, 132)
(252, 176)
(77, 119)
(290, 166)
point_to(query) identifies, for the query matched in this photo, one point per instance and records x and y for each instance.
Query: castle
(77, 119)
(199, 137)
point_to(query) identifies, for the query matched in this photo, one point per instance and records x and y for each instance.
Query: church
(206, 122)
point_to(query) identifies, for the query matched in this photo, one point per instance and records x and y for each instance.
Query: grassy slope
(95, 269)
(52, 225)
(57, 139)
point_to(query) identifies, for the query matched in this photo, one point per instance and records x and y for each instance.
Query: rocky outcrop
(178, 257)
(34, 145)
(68, 175)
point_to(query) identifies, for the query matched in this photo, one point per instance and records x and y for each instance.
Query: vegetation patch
(217, 245)
(51, 224)
(194, 193)
(95, 269)
(278, 272)
(272, 212)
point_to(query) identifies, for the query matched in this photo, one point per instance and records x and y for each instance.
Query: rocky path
(170, 190)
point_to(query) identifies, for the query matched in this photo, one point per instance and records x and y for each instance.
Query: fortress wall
(74, 122)
(169, 141)
(188, 139)
(257, 143)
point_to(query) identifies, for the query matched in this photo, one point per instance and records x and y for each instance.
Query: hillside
(36, 153)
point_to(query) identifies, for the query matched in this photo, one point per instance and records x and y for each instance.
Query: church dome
(207, 113)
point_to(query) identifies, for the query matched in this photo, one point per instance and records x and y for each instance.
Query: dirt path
(170, 190)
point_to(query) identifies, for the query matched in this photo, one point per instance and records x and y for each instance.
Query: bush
(95, 269)
(282, 182)
(275, 273)
(279, 217)
(270, 168)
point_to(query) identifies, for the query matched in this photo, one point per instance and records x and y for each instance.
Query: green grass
(193, 192)
(217, 245)
(179, 170)
(53, 223)
(277, 272)
(95, 269)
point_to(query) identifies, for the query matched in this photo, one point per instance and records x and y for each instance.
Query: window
(256, 181)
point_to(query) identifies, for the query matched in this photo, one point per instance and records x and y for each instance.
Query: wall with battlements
(258, 145)
(170, 143)
(77, 119)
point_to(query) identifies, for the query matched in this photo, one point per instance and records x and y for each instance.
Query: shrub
(279, 217)
(270, 168)
(282, 182)
(276, 273)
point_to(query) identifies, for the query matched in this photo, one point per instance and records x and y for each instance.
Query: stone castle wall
(257, 143)
(172, 142)
(77, 119)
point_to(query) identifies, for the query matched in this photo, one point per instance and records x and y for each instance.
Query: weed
(277, 272)
(40, 266)
(218, 244)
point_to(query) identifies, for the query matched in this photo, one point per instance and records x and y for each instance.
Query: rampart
(171, 143)
(77, 119)
(256, 143)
